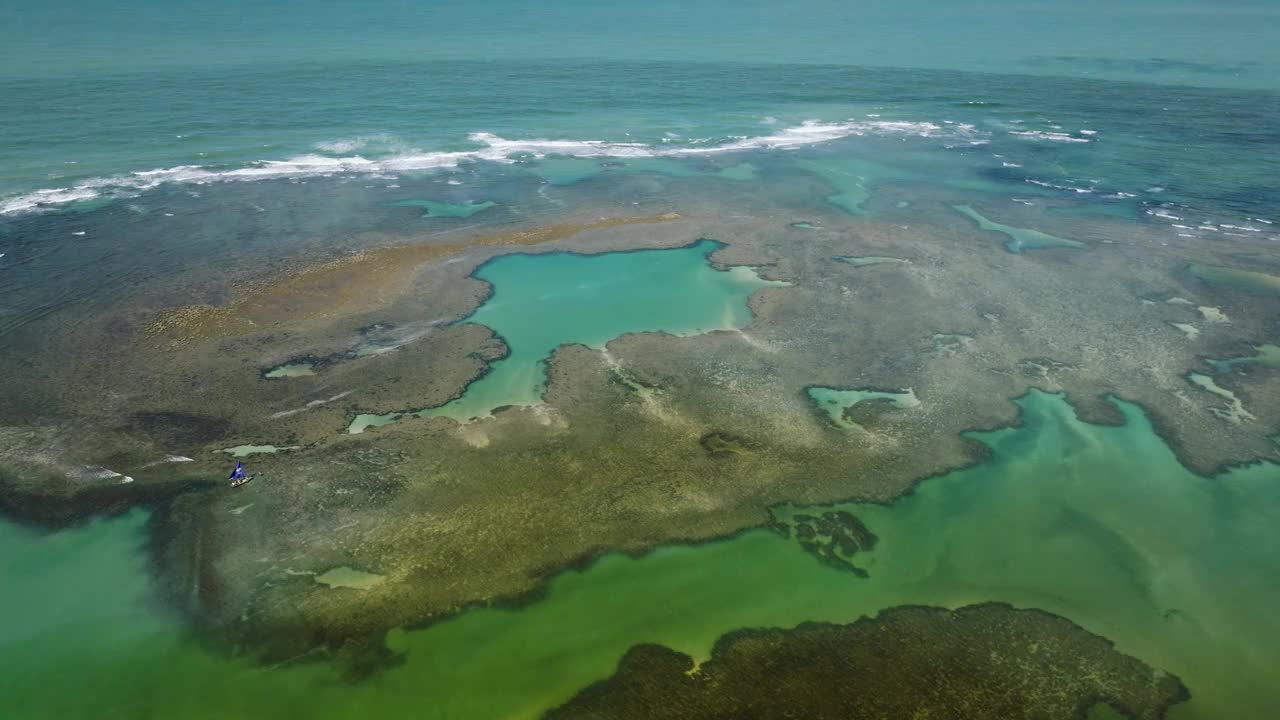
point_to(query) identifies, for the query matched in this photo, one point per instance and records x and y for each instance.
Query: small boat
(238, 477)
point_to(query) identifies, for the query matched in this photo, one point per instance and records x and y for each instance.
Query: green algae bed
(542, 301)
(1020, 239)
(1098, 524)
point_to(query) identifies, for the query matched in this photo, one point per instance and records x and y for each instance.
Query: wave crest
(493, 149)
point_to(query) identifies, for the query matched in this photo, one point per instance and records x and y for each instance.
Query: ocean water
(110, 100)
(144, 148)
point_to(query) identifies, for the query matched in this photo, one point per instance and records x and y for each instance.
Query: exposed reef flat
(661, 438)
(984, 661)
(343, 286)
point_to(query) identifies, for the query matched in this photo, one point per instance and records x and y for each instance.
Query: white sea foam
(1053, 186)
(493, 148)
(1050, 136)
(346, 145)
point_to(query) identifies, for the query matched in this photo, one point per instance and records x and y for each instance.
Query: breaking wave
(492, 148)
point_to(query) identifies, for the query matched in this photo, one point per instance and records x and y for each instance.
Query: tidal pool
(542, 301)
(1098, 524)
(1264, 355)
(247, 450)
(836, 403)
(1019, 238)
(1249, 280)
(865, 260)
(291, 370)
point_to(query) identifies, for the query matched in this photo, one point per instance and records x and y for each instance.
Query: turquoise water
(141, 142)
(834, 402)
(1020, 239)
(1100, 524)
(540, 302)
(240, 91)
(436, 208)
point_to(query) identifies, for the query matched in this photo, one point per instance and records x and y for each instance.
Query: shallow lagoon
(542, 301)
(1099, 524)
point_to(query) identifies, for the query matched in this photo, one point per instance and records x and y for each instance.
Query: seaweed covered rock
(981, 661)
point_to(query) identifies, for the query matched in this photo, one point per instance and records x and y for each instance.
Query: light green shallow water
(1265, 355)
(1019, 238)
(1099, 524)
(865, 260)
(834, 402)
(291, 370)
(543, 301)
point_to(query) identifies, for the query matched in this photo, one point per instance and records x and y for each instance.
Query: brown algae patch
(346, 286)
(981, 661)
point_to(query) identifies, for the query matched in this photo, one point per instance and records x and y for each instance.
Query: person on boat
(238, 477)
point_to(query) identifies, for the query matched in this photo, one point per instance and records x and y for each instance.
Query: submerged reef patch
(982, 661)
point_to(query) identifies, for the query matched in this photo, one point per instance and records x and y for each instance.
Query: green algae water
(143, 142)
(1099, 524)
(542, 301)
